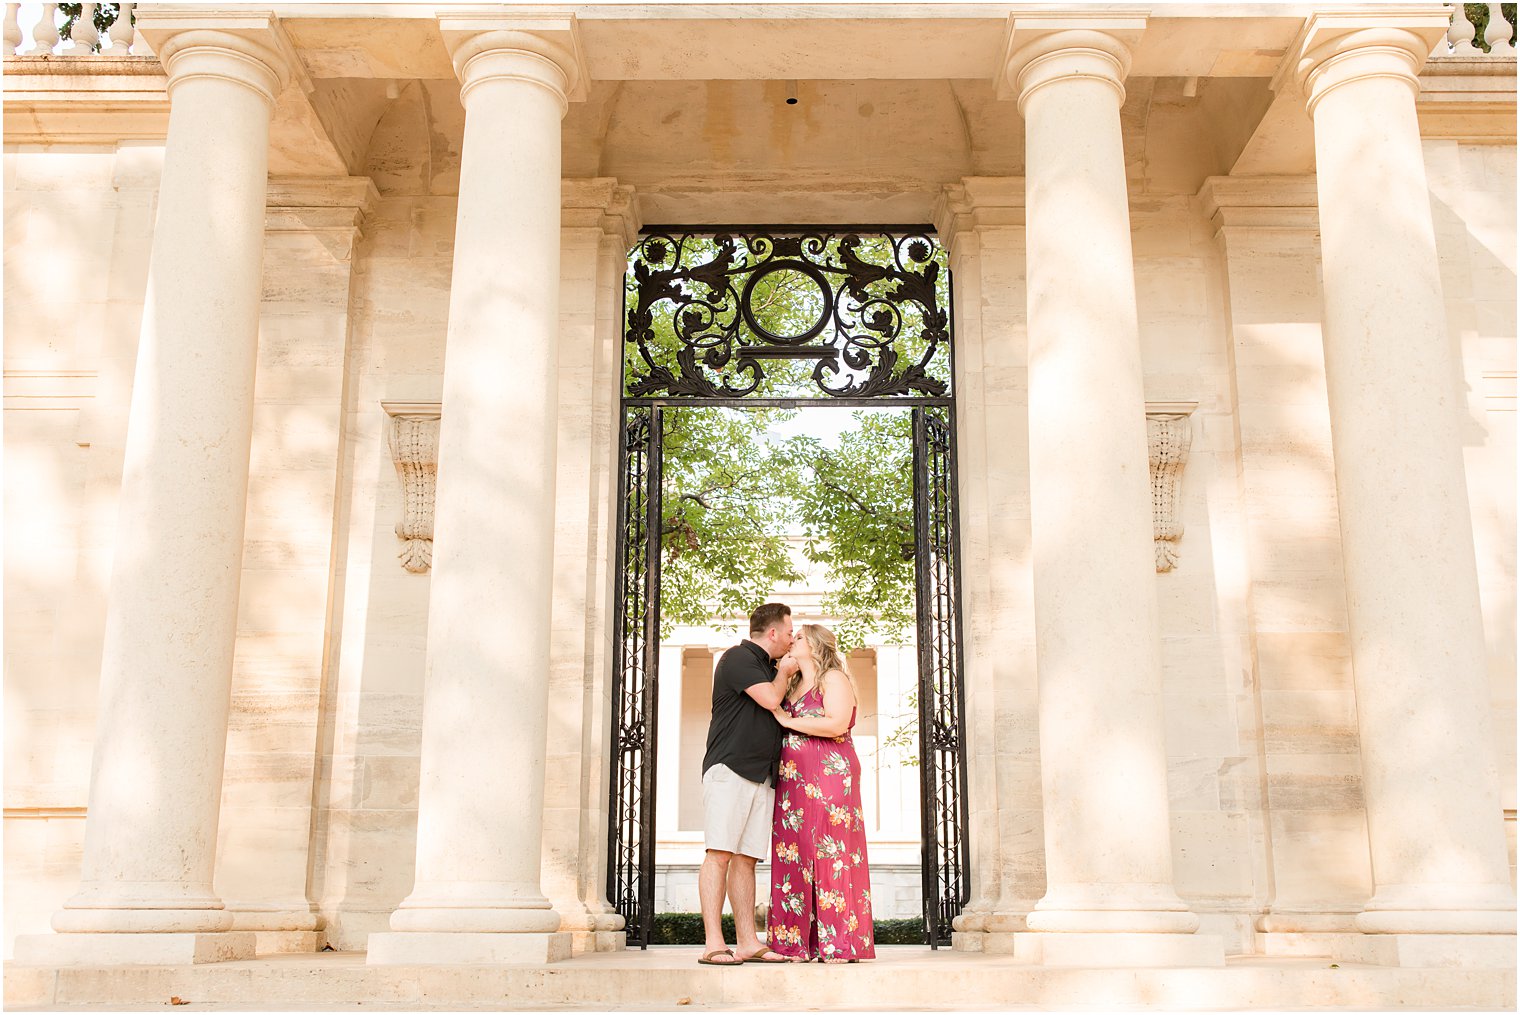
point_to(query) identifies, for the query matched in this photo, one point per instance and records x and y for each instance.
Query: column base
(280, 930)
(1436, 921)
(1114, 921)
(1288, 934)
(1449, 951)
(587, 941)
(1112, 951)
(289, 942)
(438, 948)
(1318, 922)
(143, 949)
(1297, 944)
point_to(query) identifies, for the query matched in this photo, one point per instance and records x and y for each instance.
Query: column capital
(249, 48)
(544, 50)
(1044, 48)
(1346, 46)
(1260, 202)
(978, 202)
(601, 203)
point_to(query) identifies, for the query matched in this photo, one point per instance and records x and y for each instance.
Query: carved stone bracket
(413, 436)
(1169, 432)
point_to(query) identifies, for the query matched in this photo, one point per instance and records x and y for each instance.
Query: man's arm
(769, 695)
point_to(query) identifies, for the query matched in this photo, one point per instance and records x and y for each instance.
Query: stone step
(902, 978)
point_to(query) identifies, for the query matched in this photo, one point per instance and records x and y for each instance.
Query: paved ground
(903, 978)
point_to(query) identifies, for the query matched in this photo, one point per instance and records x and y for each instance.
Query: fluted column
(166, 667)
(477, 895)
(1429, 768)
(1102, 750)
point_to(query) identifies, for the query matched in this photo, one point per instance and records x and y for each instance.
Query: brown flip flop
(707, 959)
(760, 957)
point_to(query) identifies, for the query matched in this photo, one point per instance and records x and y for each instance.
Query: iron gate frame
(636, 664)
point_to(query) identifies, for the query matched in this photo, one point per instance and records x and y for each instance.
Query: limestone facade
(1242, 755)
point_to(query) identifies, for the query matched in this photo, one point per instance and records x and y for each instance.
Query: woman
(820, 879)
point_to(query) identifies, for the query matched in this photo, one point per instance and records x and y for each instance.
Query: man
(739, 781)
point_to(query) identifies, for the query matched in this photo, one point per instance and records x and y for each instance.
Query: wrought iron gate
(870, 328)
(941, 690)
(630, 846)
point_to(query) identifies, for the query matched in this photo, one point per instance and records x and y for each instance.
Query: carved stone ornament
(413, 434)
(1170, 435)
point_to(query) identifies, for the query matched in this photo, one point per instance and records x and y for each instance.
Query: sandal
(707, 959)
(760, 957)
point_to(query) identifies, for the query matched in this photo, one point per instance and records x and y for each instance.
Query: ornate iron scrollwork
(707, 312)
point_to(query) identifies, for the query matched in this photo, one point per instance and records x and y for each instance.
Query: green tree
(732, 493)
(726, 515)
(855, 504)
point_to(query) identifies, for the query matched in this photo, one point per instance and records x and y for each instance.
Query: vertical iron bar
(628, 462)
(647, 787)
(960, 660)
(631, 679)
(619, 671)
(923, 593)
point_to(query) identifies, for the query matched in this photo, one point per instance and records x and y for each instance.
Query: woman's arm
(838, 704)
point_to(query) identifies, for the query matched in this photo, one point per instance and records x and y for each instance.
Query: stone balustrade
(1498, 34)
(34, 30)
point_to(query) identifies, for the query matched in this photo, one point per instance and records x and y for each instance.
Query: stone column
(477, 897)
(1102, 750)
(981, 223)
(166, 666)
(1429, 769)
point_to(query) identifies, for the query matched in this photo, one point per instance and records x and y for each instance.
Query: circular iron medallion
(804, 300)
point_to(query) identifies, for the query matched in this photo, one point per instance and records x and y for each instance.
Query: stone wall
(1472, 199)
(78, 229)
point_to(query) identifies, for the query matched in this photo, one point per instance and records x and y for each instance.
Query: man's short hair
(768, 616)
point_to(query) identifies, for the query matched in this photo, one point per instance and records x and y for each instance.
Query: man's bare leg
(711, 879)
(741, 892)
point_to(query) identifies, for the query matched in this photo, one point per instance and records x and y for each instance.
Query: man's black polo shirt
(743, 735)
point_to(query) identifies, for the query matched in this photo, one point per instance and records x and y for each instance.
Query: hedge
(686, 929)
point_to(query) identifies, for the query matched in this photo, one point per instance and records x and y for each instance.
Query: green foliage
(900, 932)
(732, 492)
(726, 514)
(856, 508)
(686, 929)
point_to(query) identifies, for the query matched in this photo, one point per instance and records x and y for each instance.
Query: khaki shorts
(736, 813)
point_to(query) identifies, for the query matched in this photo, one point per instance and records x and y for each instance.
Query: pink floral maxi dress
(820, 877)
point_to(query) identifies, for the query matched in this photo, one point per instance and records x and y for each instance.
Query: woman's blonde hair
(825, 651)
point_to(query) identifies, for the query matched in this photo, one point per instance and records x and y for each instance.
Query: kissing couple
(781, 779)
